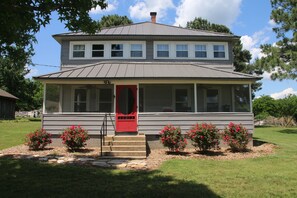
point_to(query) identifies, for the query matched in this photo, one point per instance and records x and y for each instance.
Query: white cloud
(252, 43)
(112, 5)
(142, 9)
(271, 22)
(216, 11)
(284, 93)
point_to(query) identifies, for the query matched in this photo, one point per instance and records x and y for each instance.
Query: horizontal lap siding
(56, 123)
(152, 123)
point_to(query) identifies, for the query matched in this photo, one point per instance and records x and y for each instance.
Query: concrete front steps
(127, 146)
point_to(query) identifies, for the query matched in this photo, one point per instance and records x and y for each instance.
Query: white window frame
(183, 57)
(156, 51)
(107, 49)
(219, 51)
(206, 50)
(104, 51)
(142, 50)
(191, 50)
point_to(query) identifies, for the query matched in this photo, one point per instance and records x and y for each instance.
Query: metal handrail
(103, 133)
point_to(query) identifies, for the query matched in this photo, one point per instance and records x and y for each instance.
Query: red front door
(126, 108)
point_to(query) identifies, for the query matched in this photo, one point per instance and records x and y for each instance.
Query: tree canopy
(242, 57)
(281, 58)
(20, 20)
(114, 20)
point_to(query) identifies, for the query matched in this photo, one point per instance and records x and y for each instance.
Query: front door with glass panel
(126, 108)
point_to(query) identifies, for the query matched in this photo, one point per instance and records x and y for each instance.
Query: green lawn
(270, 176)
(12, 133)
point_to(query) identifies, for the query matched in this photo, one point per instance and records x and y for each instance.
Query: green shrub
(172, 138)
(236, 136)
(74, 137)
(38, 139)
(204, 136)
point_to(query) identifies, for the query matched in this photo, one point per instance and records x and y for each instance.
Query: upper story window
(97, 50)
(78, 51)
(181, 50)
(117, 50)
(219, 51)
(200, 51)
(136, 50)
(162, 50)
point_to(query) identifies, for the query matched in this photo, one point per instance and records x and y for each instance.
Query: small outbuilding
(7, 105)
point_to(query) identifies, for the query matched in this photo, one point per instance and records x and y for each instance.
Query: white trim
(107, 49)
(191, 50)
(195, 98)
(44, 98)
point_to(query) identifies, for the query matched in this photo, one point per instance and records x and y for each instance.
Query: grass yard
(12, 133)
(270, 176)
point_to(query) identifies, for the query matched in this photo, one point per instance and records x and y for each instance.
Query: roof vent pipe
(153, 17)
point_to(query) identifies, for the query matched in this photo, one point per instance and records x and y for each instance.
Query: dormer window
(136, 50)
(200, 51)
(117, 50)
(219, 51)
(162, 50)
(181, 51)
(97, 50)
(78, 51)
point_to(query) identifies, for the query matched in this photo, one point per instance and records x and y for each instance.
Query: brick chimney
(153, 17)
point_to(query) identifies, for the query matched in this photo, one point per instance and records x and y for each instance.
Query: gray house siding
(148, 123)
(56, 123)
(152, 123)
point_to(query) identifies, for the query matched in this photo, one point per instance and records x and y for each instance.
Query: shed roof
(148, 29)
(147, 70)
(6, 94)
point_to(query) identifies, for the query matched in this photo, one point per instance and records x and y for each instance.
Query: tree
(281, 58)
(114, 20)
(287, 108)
(20, 20)
(264, 106)
(242, 57)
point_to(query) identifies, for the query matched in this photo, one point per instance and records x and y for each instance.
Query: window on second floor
(136, 50)
(200, 51)
(117, 50)
(97, 50)
(219, 51)
(162, 50)
(78, 51)
(181, 50)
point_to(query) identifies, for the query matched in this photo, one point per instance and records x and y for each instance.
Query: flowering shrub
(74, 137)
(204, 136)
(236, 136)
(172, 138)
(38, 139)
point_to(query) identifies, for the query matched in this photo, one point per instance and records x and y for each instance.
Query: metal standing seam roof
(145, 70)
(6, 94)
(148, 29)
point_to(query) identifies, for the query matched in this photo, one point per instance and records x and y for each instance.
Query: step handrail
(103, 133)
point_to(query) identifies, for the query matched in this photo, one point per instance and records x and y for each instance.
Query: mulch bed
(154, 160)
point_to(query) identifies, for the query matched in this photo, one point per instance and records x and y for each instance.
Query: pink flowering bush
(172, 138)
(236, 136)
(38, 139)
(74, 137)
(204, 136)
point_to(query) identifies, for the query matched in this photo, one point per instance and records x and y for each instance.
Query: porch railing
(103, 131)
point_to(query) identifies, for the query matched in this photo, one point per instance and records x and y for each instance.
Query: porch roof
(147, 70)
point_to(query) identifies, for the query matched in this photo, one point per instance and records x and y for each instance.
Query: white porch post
(44, 98)
(195, 98)
(250, 92)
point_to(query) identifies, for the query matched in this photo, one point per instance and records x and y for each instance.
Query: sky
(249, 19)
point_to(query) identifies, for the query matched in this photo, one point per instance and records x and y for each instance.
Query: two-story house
(145, 76)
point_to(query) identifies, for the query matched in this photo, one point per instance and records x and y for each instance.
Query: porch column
(195, 98)
(44, 98)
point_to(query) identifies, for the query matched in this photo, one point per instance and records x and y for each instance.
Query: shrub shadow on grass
(289, 131)
(258, 142)
(182, 153)
(210, 153)
(32, 179)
